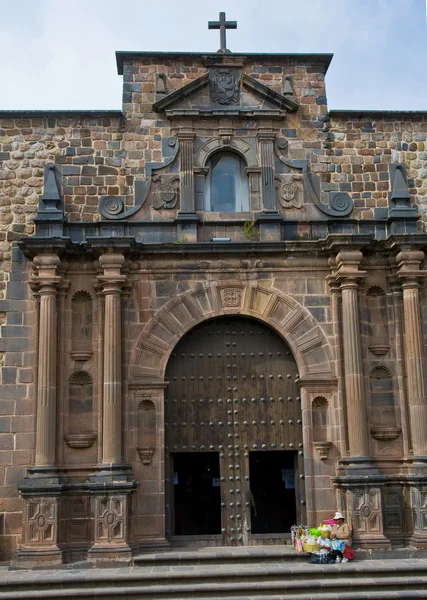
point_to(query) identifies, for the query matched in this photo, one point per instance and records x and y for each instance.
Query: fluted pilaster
(186, 143)
(348, 275)
(266, 140)
(409, 274)
(46, 282)
(112, 282)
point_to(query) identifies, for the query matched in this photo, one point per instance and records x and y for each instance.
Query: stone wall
(101, 154)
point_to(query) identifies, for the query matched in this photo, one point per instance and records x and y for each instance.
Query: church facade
(213, 314)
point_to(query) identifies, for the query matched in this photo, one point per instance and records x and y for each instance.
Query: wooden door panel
(232, 390)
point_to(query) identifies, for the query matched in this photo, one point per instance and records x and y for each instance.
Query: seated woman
(342, 536)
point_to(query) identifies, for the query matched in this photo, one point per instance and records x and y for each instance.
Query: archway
(233, 435)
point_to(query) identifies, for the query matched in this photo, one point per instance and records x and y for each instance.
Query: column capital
(267, 135)
(186, 133)
(46, 278)
(347, 265)
(408, 264)
(112, 279)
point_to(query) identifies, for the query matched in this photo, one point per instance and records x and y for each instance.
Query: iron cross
(222, 25)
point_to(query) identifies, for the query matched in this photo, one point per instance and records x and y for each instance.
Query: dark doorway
(196, 485)
(272, 481)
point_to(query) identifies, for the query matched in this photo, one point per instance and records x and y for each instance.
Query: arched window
(227, 184)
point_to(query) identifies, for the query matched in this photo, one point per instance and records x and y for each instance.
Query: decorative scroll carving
(113, 207)
(81, 309)
(340, 203)
(224, 86)
(376, 301)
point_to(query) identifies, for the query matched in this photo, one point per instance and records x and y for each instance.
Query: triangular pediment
(229, 93)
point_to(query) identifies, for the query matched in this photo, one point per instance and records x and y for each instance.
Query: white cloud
(61, 55)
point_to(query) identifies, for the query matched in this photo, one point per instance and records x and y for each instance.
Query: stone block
(25, 376)
(23, 424)
(6, 441)
(12, 522)
(8, 375)
(17, 290)
(5, 423)
(14, 318)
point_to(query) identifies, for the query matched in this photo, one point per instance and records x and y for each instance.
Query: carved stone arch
(241, 147)
(293, 322)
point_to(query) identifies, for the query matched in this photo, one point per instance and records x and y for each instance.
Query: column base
(36, 558)
(418, 541)
(111, 485)
(107, 553)
(270, 226)
(357, 466)
(363, 497)
(186, 227)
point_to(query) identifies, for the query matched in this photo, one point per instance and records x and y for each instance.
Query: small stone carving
(224, 86)
(232, 297)
(288, 192)
(161, 84)
(168, 194)
(111, 206)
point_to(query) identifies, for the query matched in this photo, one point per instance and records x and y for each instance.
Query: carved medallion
(224, 86)
(231, 297)
(288, 192)
(167, 193)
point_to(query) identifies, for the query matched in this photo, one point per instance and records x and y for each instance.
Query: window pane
(225, 183)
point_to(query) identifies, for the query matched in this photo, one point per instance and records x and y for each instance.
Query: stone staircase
(253, 573)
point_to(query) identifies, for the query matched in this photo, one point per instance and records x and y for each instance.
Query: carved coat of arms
(224, 86)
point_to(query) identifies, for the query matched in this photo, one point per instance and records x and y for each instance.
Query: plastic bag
(338, 545)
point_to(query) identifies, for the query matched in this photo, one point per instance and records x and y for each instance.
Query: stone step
(223, 554)
(368, 579)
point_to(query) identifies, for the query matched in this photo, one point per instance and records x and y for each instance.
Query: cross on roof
(222, 25)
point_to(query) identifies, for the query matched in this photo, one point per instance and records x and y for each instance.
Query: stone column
(111, 482)
(409, 274)
(112, 282)
(361, 480)
(348, 275)
(42, 486)
(47, 281)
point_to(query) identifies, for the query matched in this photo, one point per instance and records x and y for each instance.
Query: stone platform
(253, 573)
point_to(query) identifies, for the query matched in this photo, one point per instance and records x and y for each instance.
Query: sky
(58, 54)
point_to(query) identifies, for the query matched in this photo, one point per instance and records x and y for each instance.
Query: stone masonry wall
(101, 154)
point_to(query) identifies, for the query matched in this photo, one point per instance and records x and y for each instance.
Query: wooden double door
(233, 435)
